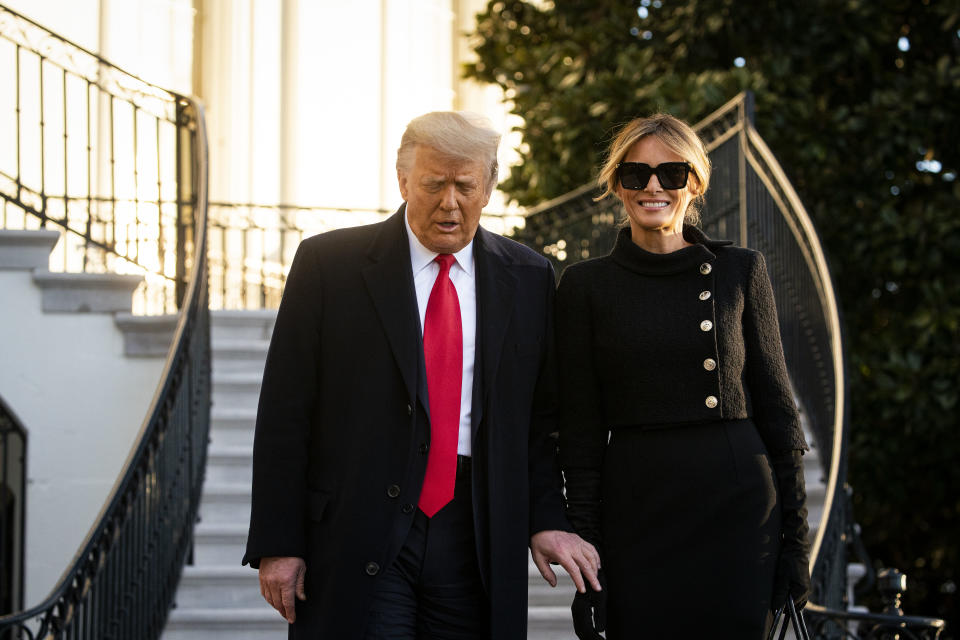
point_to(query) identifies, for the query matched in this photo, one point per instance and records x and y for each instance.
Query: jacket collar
(630, 256)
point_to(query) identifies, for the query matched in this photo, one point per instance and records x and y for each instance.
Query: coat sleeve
(546, 498)
(768, 384)
(287, 404)
(583, 432)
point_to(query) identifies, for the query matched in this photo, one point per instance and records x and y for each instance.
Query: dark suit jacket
(343, 427)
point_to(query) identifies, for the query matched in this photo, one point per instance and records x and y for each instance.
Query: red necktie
(443, 356)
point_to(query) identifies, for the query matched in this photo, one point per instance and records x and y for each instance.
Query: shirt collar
(421, 257)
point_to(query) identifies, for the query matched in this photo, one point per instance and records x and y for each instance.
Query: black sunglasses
(636, 175)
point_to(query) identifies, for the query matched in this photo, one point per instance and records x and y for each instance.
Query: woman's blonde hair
(676, 135)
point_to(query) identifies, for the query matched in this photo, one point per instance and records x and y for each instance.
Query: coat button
(705, 295)
(393, 491)
(407, 508)
(705, 268)
(409, 410)
(371, 568)
(711, 402)
(424, 448)
(709, 364)
(706, 325)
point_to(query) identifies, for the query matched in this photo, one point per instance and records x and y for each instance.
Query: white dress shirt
(462, 274)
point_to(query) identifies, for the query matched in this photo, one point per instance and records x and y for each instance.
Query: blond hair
(461, 135)
(676, 135)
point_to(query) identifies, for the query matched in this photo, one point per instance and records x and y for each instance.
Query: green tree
(858, 100)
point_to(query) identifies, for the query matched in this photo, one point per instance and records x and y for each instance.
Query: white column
(289, 165)
(226, 87)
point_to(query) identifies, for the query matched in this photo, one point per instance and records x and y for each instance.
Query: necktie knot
(445, 260)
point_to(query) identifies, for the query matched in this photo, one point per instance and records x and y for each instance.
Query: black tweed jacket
(667, 339)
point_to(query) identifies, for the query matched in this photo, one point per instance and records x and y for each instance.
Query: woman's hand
(590, 611)
(793, 578)
(793, 566)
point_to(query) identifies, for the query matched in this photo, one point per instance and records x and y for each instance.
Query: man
(403, 458)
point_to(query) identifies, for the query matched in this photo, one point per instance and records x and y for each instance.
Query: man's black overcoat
(343, 426)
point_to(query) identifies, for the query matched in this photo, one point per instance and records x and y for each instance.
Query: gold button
(711, 402)
(709, 364)
(705, 295)
(706, 325)
(705, 268)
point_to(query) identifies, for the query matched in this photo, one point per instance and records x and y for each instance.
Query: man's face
(444, 199)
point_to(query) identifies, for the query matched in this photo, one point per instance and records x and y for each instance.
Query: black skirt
(691, 525)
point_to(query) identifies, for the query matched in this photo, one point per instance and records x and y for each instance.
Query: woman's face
(654, 208)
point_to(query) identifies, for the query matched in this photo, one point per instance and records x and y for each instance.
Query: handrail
(75, 122)
(758, 153)
(252, 245)
(871, 626)
(121, 582)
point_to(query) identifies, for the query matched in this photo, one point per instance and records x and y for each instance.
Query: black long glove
(590, 611)
(582, 488)
(793, 565)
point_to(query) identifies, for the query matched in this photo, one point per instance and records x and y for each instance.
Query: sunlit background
(305, 103)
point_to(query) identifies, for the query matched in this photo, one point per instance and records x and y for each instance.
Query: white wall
(82, 403)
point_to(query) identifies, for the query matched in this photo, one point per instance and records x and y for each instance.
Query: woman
(680, 441)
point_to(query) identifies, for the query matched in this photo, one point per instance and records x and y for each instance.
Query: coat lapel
(496, 288)
(389, 281)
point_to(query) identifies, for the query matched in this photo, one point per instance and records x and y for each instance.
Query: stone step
(27, 249)
(540, 593)
(146, 336)
(550, 623)
(86, 292)
(238, 355)
(234, 587)
(232, 426)
(260, 623)
(229, 463)
(237, 390)
(220, 543)
(813, 475)
(224, 503)
(219, 601)
(243, 325)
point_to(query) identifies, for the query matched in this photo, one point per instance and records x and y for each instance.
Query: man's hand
(280, 580)
(573, 553)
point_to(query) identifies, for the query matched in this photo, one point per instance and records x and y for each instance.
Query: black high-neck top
(691, 336)
(629, 255)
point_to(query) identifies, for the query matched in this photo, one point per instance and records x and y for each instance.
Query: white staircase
(217, 597)
(80, 372)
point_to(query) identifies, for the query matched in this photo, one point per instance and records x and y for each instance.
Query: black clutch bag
(793, 616)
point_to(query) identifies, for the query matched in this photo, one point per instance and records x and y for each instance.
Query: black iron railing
(92, 150)
(13, 493)
(832, 623)
(752, 202)
(252, 246)
(122, 581)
